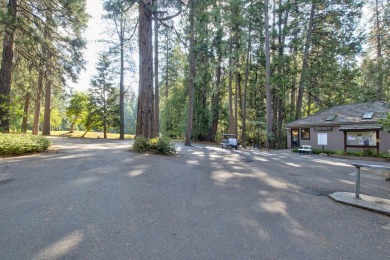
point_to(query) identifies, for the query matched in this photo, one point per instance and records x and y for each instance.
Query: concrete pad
(375, 204)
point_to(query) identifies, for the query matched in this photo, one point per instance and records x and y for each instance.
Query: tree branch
(176, 32)
(161, 19)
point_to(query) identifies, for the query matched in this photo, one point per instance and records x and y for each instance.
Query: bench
(305, 149)
(358, 166)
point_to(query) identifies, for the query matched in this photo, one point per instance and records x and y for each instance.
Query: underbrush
(160, 145)
(18, 144)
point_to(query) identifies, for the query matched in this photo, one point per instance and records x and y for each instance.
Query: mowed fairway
(93, 199)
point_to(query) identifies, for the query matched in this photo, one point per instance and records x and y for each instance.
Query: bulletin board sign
(361, 138)
(322, 139)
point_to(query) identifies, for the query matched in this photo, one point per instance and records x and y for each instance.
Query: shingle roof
(361, 127)
(345, 114)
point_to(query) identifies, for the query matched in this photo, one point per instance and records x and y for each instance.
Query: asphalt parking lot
(93, 199)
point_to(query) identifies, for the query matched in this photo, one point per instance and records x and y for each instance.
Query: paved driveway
(94, 199)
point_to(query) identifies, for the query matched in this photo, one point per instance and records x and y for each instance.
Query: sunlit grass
(78, 134)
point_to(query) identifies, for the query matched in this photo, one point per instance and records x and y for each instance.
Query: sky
(94, 32)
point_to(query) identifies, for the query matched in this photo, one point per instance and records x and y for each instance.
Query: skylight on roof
(367, 115)
(330, 118)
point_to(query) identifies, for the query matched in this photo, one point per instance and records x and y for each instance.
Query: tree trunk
(156, 117)
(293, 84)
(231, 117)
(26, 109)
(280, 123)
(121, 82)
(104, 96)
(236, 96)
(37, 112)
(273, 40)
(238, 79)
(298, 114)
(46, 118)
(72, 125)
(215, 100)
(294, 67)
(215, 104)
(145, 95)
(192, 73)
(167, 71)
(243, 135)
(105, 129)
(275, 108)
(86, 131)
(268, 75)
(380, 93)
(282, 69)
(6, 66)
(308, 104)
(47, 76)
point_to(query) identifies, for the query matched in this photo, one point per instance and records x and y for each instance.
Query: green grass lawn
(78, 134)
(18, 144)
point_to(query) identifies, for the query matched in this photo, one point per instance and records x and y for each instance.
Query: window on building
(367, 115)
(330, 118)
(305, 133)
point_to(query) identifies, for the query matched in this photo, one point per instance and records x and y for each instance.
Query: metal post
(357, 182)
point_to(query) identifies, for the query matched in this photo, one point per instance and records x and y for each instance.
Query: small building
(346, 128)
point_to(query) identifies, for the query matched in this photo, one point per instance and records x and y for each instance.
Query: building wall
(336, 140)
(384, 145)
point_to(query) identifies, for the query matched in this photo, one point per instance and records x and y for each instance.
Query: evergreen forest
(201, 68)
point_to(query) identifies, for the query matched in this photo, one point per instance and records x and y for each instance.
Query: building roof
(351, 114)
(360, 127)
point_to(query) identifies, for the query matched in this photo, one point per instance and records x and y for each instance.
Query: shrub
(165, 146)
(385, 155)
(153, 144)
(161, 145)
(18, 144)
(368, 152)
(319, 151)
(315, 151)
(141, 144)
